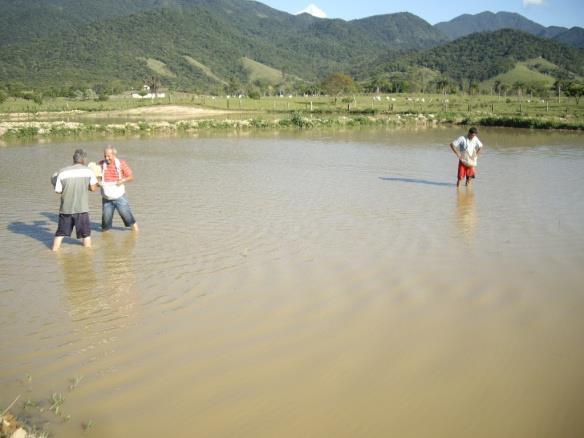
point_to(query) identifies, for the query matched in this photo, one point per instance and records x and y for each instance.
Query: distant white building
(147, 94)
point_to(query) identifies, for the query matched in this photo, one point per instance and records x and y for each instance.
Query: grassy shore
(62, 117)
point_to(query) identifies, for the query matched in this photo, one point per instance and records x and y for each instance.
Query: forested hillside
(573, 37)
(58, 46)
(217, 35)
(481, 56)
(467, 24)
(25, 20)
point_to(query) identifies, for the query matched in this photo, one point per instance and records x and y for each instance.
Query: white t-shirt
(468, 149)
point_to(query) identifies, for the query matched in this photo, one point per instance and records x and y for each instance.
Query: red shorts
(465, 171)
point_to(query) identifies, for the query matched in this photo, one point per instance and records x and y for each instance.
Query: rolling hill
(525, 74)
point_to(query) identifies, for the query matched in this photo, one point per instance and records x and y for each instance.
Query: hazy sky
(565, 13)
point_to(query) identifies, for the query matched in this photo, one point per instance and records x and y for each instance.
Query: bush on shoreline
(297, 120)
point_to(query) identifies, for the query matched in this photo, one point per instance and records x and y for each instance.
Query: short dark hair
(473, 130)
(79, 156)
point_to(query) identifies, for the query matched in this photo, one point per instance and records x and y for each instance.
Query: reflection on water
(79, 277)
(291, 284)
(119, 276)
(466, 218)
(101, 280)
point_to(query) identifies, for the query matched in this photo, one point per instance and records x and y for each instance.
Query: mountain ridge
(202, 45)
(217, 34)
(488, 21)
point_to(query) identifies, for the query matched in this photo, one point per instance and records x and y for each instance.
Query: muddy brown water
(319, 284)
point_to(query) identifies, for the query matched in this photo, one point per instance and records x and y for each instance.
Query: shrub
(300, 121)
(27, 131)
(259, 123)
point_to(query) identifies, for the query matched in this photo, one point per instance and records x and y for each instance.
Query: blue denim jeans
(107, 212)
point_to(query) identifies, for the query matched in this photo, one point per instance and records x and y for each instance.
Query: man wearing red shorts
(467, 149)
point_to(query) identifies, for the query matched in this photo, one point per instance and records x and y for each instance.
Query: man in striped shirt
(74, 183)
(115, 173)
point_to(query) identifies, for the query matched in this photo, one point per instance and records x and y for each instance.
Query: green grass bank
(20, 118)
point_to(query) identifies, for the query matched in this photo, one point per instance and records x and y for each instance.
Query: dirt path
(158, 112)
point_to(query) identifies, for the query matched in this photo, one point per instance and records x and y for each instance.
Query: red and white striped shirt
(111, 173)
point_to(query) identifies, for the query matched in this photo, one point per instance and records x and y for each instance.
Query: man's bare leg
(135, 228)
(86, 242)
(57, 243)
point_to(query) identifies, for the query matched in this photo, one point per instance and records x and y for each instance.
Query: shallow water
(315, 284)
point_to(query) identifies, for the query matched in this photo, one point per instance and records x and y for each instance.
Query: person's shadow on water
(40, 230)
(44, 230)
(417, 181)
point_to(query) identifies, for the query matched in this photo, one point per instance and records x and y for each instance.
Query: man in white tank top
(467, 149)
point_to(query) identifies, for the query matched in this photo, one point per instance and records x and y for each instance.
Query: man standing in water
(467, 149)
(74, 183)
(115, 173)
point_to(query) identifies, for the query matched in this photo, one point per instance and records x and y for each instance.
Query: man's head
(109, 154)
(79, 156)
(472, 132)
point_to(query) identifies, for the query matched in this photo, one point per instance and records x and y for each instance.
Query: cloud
(313, 10)
(532, 2)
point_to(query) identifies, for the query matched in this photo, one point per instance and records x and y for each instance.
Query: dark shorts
(465, 171)
(78, 220)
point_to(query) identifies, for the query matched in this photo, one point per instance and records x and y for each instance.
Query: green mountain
(402, 31)
(200, 44)
(481, 56)
(26, 20)
(551, 32)
(207, 45)
(573, 37)
(467, 24)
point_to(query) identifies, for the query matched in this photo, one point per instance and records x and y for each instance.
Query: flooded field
(319, 284)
